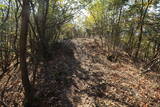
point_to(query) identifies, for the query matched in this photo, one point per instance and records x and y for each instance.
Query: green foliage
(3, 6)
(117, 19)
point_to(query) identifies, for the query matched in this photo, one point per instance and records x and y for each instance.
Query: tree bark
(23, 63)
(41, 22)
(142, 17)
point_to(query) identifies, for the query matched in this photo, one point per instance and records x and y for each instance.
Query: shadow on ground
(65, 84)
(54, 85)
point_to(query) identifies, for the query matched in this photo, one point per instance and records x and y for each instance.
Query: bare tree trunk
(130, 41)
(139, 41)
(142, 17)
(15, 46)
(41, 27)
(23, 63)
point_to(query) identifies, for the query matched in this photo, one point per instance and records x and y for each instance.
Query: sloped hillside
(80, 75)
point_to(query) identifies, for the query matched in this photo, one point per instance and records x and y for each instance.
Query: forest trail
(84, 77)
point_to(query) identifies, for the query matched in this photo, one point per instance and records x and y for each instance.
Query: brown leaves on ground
(86, 78)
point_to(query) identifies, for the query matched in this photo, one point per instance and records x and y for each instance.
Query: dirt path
(83, 77)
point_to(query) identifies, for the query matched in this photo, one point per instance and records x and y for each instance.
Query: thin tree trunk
(142, 17)
(41, 27)
(23, 63)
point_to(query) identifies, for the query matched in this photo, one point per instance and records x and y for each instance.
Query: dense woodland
(31, 31)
